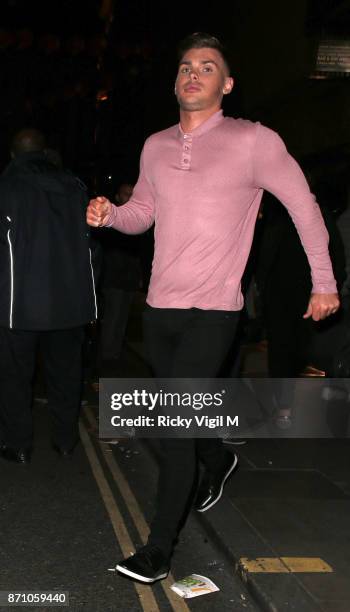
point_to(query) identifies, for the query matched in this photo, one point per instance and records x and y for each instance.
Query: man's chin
(188, 105)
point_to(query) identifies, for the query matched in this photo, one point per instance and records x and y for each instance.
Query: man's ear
(229, 83)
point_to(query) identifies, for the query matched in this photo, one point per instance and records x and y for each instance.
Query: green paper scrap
(193, 586)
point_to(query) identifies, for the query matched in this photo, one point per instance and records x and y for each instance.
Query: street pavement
(66, 523)
(283, 521)
(278, 540)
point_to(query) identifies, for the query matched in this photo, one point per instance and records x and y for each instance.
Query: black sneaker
(212, 486)
(148, 564)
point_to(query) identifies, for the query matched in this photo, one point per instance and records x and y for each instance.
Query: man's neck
(190, 120)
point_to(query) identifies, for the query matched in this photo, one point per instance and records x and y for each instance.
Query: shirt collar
(207, 125)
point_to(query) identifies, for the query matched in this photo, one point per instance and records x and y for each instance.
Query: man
(46, 294)
(121, 278)
(202, 182)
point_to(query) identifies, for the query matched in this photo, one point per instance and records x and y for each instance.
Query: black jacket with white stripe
(46, 276)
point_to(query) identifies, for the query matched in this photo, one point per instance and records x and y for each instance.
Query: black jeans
(62, 359)
(189, 343)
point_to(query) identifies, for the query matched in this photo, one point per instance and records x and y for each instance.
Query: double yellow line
(145, 593)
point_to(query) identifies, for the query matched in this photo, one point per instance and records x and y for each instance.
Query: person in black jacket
(121, 278)
(47, 294)
(284, 282)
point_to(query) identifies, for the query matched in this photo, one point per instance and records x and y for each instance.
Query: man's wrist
(329, 289)
(110, 218)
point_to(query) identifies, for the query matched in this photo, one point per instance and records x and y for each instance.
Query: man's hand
(98, 211)
(321, 305)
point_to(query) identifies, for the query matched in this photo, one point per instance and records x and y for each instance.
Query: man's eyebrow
(188, 62)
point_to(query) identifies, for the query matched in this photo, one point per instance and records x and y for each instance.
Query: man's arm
(134, 217)
(275, 170)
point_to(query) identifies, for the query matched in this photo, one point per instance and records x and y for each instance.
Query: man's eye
(185, 70)
(207, 69)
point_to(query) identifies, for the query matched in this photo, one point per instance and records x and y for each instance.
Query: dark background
(97, 76)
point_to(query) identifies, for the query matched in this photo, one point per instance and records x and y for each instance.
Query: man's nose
(193, 75)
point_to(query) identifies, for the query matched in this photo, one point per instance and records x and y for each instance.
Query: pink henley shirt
(203, 190)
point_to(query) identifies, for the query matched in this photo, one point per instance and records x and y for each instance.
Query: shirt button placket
(186, 152)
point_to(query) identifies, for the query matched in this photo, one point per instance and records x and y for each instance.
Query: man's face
(202, 80)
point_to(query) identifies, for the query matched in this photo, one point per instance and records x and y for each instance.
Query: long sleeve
(137, 215)
(277, 172)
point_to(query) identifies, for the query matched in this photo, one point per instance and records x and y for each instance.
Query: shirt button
(186, 160)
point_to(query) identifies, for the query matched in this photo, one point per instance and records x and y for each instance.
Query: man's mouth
(191, 88)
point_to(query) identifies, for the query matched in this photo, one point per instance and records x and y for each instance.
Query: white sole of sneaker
(124, 570)
(233, 466)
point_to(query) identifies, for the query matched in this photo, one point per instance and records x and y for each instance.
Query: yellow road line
(136, 514)
(285, 565)
(307, 564)
(145, 594)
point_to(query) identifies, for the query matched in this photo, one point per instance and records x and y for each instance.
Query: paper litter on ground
(193, 586)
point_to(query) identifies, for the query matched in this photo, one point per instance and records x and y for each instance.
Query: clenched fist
(98, 211)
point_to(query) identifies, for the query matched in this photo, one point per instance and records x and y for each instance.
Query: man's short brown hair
(200, 40)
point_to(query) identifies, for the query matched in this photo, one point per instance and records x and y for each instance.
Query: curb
(260, 598)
